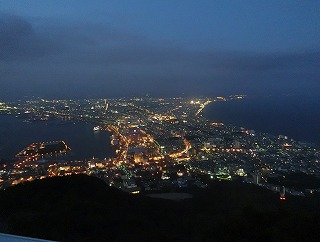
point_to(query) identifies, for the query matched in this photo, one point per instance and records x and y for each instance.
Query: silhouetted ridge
(84, 208)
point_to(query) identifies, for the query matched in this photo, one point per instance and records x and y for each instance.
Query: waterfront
(296, 117)
(165, 149)
(15, 135)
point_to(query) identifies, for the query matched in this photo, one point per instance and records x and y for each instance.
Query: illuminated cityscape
(159, 120)
(160, 144)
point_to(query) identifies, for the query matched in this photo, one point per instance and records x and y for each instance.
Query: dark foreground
(83, 208)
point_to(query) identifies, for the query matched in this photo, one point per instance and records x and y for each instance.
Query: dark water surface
(84, 143)
(296, 117)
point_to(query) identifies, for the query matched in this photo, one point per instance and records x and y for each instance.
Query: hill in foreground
(84, 208)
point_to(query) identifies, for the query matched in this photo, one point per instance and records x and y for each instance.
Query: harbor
(41, 150)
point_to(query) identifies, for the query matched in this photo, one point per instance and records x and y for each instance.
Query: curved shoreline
(20, 135)
(279, 116)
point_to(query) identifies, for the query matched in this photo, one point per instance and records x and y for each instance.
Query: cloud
(49, 58)
(19, 40)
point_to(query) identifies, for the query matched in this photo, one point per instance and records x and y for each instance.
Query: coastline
(278, 116)
(15, 135)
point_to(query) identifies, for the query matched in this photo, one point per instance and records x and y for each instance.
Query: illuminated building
(282, 193)
(256, 178)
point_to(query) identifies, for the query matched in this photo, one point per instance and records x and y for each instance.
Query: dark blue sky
(165, 48)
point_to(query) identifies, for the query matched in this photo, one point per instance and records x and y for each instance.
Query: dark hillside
(83, 208)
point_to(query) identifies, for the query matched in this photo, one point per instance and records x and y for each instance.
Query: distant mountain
(84, 208)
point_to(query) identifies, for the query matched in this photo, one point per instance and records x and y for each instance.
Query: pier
(38, 150)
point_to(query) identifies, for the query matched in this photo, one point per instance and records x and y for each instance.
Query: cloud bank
(56, 60)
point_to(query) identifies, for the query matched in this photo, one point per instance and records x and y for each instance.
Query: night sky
(79, 49)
